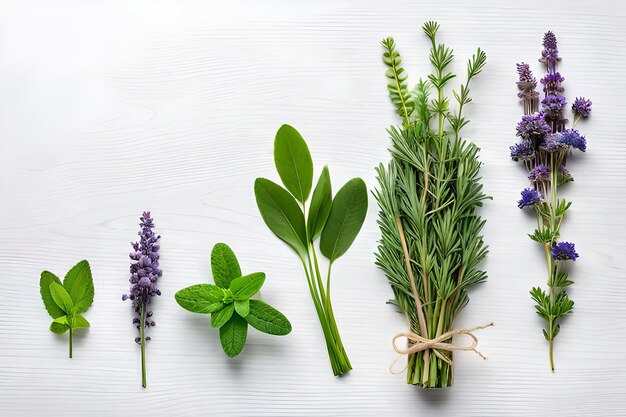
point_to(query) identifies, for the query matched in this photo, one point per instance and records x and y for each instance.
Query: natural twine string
(420, 344)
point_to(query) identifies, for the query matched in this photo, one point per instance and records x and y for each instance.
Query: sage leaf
(220, 317)
(58, 328)
(201, 298)
(242, 307)
(61, 297)
(233, 335)
(61, 320)
(267, 319)
(53, 309)
(346, 217)
(293, 162)
(281, 213)
(79, 284)
(224, 265)
(321, 203)
(246, 286)
(80, 322)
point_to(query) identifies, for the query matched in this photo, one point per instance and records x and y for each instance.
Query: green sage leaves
(337, 221)
(346, 217)
(293, 162)
(281, 214)
(66, 301)
(229, 302)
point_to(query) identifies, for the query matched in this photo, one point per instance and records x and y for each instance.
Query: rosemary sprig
(431, 242)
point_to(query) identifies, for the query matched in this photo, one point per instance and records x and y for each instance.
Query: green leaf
(345, 220)
(267, 319)
(281, 213)
(53, 309)
(246, 286)
(80, 322)
(201, 298)
(224, 265)
(58, 328)
(233, 335)
(61, 320)
(219, 318)
(293, 162)
(61, 297)
(242, 307)
(79, 284)
(321, 203)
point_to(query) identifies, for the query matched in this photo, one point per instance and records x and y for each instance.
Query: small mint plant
(230, 304)
(66, 301)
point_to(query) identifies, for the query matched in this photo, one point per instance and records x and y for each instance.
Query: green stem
(143, 346)
(71, 334)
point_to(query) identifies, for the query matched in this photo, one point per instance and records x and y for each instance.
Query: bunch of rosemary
(428, 194)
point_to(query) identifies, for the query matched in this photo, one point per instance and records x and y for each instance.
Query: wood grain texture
(111, 108)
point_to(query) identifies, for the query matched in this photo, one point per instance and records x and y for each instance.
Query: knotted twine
(419, 343)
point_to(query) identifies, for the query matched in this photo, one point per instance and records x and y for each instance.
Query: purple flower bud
(564, 251)
(581, 107)
(530, 197)
(124, 297)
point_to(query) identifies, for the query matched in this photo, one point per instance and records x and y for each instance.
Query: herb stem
(143, 345)
(71, 334)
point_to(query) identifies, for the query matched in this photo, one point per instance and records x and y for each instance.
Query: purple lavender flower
(522, 151)
(581, 107)
(144, 273)
(552, 83)
(527, 82)
(529, 198)
(550, 53)
(564, 251)
(533, 125)
(539, 173)
(573, 138)
(553, 143)
(553, 102)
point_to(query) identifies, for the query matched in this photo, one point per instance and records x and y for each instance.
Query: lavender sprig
(144, 273)
(544, 148)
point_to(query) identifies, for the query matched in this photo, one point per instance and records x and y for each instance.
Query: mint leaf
(61, 297)
(201, 298)
(281, 213)
(267, 319)
(242, 307)
(80, 322)
(224, 265)
(321, 203)
(53, 309)
(79, 284)
(246, 286)
(219, 318)
(233, 335)
(58, 328)
(293, 162)
(345, 220)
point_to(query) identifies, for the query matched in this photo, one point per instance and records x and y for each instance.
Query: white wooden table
(111, 108)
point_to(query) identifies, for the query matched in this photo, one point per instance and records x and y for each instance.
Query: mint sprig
(229, 302)
(66, 301)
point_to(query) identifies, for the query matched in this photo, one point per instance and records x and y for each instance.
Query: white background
(111, 108)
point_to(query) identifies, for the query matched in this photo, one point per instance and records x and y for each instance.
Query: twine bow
(418, 343)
